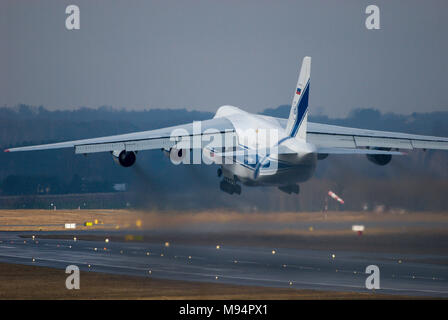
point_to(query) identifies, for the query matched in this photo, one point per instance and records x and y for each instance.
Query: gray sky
(204, 54)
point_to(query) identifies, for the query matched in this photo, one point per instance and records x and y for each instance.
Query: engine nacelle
(124, 158)
(175, 155)
(322, 156)
(379, 159)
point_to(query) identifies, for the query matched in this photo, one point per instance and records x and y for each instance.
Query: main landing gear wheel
(230, 188)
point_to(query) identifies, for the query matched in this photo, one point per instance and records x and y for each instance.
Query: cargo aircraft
(253, 149)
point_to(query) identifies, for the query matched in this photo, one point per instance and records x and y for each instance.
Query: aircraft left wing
(165, 138)
(330, 136)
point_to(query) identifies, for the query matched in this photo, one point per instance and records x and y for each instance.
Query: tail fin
(298, 115)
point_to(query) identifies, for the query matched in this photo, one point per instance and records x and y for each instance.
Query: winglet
(6, 150)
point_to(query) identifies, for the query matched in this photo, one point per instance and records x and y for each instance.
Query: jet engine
(379, 159)
(176, 155)
(124, 158)
(322, 156)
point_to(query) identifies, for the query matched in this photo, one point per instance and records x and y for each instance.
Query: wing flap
(383, 142)
(421, 144)
(357, 151)
(128, 146)
(326, 140)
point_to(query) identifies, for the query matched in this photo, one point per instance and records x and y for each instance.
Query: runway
(403, 274)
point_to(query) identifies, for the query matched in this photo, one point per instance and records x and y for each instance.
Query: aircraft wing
(166, 138)
(333, 137)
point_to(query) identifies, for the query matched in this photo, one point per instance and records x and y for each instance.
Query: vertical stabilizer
(298, 115)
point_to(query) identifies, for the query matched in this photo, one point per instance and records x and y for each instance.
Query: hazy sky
(204, 54)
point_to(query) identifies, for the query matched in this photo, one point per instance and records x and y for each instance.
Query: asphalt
(403, 274)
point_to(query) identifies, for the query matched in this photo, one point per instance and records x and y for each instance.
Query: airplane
(263, 150)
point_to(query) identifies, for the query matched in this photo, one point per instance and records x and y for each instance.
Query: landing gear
(293, 188)
(230, 187)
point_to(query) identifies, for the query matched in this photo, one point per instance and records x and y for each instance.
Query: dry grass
(46, 220)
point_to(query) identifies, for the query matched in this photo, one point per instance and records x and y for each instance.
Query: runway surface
(403, 274)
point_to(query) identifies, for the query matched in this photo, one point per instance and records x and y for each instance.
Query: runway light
(167, 244)
(399, 261)
(218, 247)
(189, 257)
(121, 251)
(311, 229)
(235, 261)
(216, 277)
(95, 249)
(33, 237)
(138, 223)
(333, 256)
(69, 247)
(161, 254)
(147, 253)
(34, 260)
(284, 266)
(106, 240)
(105, 248)
(88, 265)
(74, 238)
(273, 251)
(290, 283)
(149, 271)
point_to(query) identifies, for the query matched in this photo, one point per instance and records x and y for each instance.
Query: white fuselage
(257, 132)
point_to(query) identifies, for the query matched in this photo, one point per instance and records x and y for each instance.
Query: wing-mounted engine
(124, 158)
(380, 159)
(322, 156)
(175, 155)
